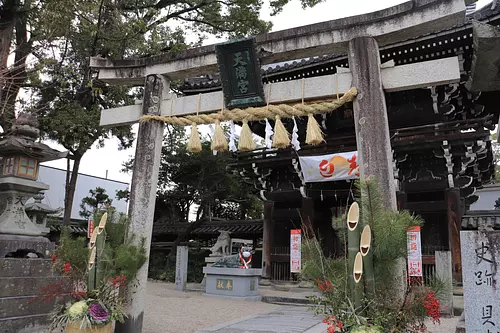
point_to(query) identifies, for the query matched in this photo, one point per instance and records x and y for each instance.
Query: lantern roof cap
(39, 206)
(22, 141)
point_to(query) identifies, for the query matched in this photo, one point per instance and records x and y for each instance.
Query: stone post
(454, 213)
(372, 131)
(267, 243)
(370, 117)
(481, 259)
(181, 268)
(444, 273)
(143, 193)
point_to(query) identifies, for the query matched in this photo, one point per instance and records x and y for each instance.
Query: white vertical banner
(414, 252)
(295, 250)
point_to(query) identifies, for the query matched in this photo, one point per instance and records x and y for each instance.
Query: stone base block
(21, 281)
(14, 267)
(27, 324)
(233, 282)
(306, 284)
(460, 327)
(24, 286)
(24, 306)
(12, 243)
(265, 282)
(238, 298)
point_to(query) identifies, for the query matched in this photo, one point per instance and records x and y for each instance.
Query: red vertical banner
(295, 250)
(414, 252)
(90, 227)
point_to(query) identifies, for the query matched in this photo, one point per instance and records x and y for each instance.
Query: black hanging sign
(239, 68)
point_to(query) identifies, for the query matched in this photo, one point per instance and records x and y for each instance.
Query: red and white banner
(327, 168)
(295, 250)
(90, 227)
(414, 252)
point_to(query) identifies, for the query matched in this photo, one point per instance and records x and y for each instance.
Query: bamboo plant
(96, 246)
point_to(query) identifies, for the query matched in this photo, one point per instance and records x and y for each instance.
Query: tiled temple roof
(243, 227)
(270, 72)
(481, 219)
(74, 229)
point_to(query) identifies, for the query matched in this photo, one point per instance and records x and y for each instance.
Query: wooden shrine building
(440, 138)
(429, 87)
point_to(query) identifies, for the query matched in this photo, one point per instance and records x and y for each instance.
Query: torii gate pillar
(372, 130)
(143, 193)
(370, 117)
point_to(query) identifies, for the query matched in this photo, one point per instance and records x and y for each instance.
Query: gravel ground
(447, 325)
(170, 311)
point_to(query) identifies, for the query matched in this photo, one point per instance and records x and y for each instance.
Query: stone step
(22, 267)
(25, 286)
(26, 324)
(286, 300)
(24, 306)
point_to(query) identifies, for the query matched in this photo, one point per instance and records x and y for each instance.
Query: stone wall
(20, 282)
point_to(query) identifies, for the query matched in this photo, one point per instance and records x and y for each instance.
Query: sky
(108, 160)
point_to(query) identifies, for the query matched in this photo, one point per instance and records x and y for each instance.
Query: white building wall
(487, 197)
(56, 179)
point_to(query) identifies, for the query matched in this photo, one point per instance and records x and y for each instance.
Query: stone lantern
(38, 212)
(21, 158)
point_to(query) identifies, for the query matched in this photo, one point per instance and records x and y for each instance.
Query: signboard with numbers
(414, 252)
(295, 250)
(239, 68)
(480, 262)
(90, 227)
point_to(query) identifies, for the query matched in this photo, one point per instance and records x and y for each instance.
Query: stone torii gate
(359, 36)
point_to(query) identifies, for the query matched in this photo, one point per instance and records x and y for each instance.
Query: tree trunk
(70, 189)
(14, 77)
(8, 17)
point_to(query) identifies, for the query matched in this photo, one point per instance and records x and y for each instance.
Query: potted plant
(95, 277)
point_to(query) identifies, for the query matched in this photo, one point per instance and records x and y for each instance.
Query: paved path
(286, 319)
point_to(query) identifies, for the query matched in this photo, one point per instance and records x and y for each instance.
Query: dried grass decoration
(314, 135)
(246, 139)
(281, 138)
(219, 141)
(194, 144)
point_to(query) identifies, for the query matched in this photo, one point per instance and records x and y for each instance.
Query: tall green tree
(199, 184)
(59, 36)
(97, 199)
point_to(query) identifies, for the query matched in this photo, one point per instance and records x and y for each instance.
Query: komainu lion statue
(223, 245)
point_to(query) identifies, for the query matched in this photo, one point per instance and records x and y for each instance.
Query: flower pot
(75, 328)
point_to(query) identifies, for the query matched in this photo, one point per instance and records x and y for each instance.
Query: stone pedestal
(209, 261)
(481, 259)
(444, 273)
(20, 280)
(20, 246)
(234, 283)
(181, 268)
